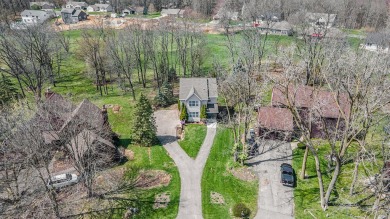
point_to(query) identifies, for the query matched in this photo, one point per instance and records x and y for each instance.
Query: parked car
(287, 175)
(62, 180)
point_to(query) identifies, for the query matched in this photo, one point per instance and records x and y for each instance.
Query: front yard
(194, 135)
(218, 179)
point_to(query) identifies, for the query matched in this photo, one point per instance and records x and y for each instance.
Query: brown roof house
(275, 123)
(65, 126)
(322, 111)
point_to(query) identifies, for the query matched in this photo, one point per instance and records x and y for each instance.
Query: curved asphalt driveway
(190, 170)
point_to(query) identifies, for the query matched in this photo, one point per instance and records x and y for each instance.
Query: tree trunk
(332, 183)
(355, 174)
(303, 170)
(324, 203)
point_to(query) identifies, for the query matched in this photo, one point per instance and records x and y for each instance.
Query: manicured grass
(216, 178)
(306, 194)
(193, 139)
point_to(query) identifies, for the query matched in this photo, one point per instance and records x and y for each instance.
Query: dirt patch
(116, 109)
(161, 200)
(152, 179)
(129, 154)
(217, 198)
(243, 174)
(109, 179)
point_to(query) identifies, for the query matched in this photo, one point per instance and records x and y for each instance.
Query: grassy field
(216, 178)
(193, 139)
(306, 194)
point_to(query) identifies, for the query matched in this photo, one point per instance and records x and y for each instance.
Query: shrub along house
(198, 92)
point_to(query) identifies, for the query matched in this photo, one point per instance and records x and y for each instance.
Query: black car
(287, 176)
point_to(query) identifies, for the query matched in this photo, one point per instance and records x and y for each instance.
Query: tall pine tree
(144, 124)
(7, 90)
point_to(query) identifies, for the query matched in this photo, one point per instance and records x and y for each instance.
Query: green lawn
(306, 194)
(216, 178)
(193, 139)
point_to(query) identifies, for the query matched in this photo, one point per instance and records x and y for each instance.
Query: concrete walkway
(190, 170)
(275, 201)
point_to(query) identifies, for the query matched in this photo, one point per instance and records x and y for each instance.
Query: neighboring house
(318, 108)
(321, 19)
(30, 17)
(77, 5)
(42, 5)
(275, 123)
(280, 28)
(72, 16)
(172, 12)
(76, 128)
(377, 42)
(270, 16)
(128, 11)
(196, 92)
(99, 8)
(224, 14)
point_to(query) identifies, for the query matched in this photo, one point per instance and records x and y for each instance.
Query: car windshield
(287, 172)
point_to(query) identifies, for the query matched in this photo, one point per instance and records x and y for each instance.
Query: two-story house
(196, 92)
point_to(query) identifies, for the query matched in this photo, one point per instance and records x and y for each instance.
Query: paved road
(190, 170)
(275, 201)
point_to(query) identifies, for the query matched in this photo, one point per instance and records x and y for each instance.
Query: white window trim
(193, 114)
(196, 103)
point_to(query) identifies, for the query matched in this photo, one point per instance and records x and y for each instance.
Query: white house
(77, 5)
(321, 19)
(377, 42)
(196, 92)
(35, 16)
(99, 8)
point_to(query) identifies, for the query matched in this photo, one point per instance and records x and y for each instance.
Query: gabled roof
(300, 96)
(38, 13)
(274, 118)
(170, 11)
(204, 88)
(104, 6)
(68, 10)
(321, 102)
(86, 112)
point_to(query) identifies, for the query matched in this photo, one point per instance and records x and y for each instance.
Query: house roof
(326, 104)
(321, 17)
(378, 38)
(202, 87)
(274, 118)
(76, 13)
(104, 6)
(39, 13)
(95, 7)
(85, 140)
(67, 10)
(41, 3)
(77, 3)
(282, 25)
(86, 112)
(323, 103)
(300, 96)
(170, 11)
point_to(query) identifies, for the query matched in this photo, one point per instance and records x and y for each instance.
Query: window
(193, 103)
(193, 114)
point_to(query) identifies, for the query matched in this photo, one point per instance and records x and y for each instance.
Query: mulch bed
(243, 174)
(152, 179)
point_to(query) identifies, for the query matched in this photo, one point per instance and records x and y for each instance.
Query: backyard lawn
(193, 139)
(306, 194)
(217, 178)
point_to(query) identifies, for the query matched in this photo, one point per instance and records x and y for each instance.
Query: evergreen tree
(144, 124)
(183, 114)
(164, 96)
(7, 90)
(203, 114)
